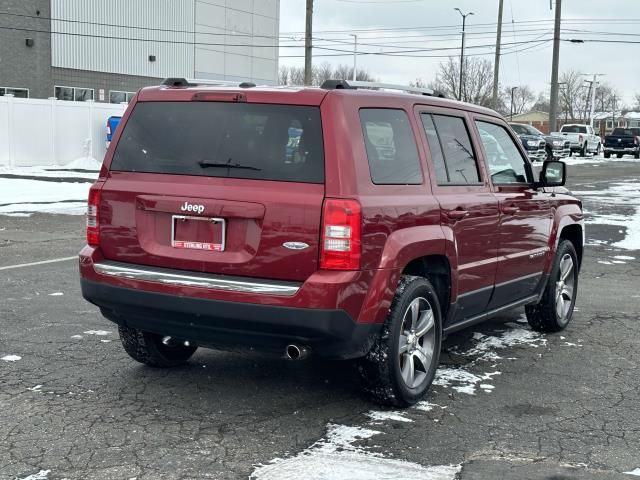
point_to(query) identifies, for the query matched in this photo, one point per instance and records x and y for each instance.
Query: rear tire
(403, 361)
(620, 155)
(607, 154)
(637, 155)
(555, 310)
(148, 348)
(583, 150)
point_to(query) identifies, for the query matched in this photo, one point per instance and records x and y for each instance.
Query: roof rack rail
(355, 84)
(193, 82)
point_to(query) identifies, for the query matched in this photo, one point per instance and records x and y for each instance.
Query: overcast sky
(401, 25)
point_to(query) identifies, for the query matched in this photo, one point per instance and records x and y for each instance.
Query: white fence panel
(36, 132)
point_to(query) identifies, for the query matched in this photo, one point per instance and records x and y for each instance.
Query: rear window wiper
(205, 164)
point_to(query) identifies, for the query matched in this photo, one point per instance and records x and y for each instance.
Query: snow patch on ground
(77, 337)
(624, 257)
(461, 380)
(635, 472)
(618, 194)
(336, 458)
(382, 416)
(426, 406)
(20, 196)
(597, 160)
(56, 294)
(35, 389)
(11, 358)
(41, 475)
(96, 332)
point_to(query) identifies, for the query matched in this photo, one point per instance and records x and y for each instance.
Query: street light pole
(513, 89)
(464, 22)
(355, 55)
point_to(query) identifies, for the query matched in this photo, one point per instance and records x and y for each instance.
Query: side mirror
(554, 174)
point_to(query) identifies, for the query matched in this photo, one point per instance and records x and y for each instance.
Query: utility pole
(593, 86)
(464, 22)
(355, 54)
(613, 119)
(553, 108)
(308, 43)
(496, 63)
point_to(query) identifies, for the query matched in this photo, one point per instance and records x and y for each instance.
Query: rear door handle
(510, 210)
(457, 214)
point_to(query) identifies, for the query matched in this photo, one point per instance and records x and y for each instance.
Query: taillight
(340, 247)
(108, 129)
(93, 225)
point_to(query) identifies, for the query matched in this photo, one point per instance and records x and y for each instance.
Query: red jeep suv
(348, 221)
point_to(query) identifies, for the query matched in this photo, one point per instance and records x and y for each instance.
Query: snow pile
(336, 458)
(597, 160)
(635, 472)
(84, 163)
(463, 381)
(97, 332)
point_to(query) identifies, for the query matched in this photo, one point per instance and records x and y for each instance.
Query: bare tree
(605, 95)
(283, 75)
(542, 103)
(573, 95)
(322, 72)
(637, 98)
(478, 80)
(523, 99)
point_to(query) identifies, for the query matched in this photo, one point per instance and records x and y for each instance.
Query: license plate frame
(196, 245)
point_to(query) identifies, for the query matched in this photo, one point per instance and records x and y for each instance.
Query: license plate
(198, 233)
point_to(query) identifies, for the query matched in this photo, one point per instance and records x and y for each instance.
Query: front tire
(637, 155)
(583, 150)
(402, 363)
(149, 348)
(607, 154)
(555, 310)
(620, 155)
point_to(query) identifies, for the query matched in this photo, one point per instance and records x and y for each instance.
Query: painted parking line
(43, 262)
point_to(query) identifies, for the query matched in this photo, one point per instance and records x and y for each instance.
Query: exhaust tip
(293, 352)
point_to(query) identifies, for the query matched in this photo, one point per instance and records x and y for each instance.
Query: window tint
(622, 132)
(573, 129)
(506, 165)
(219, 139)
(451, 150)
(391, 147)
(436, 150)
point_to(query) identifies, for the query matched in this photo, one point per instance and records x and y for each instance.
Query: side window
(391, 147)
(506, 164)
(451, 150)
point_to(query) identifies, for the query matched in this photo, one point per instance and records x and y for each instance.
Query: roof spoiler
(353, 84)
(183, 82)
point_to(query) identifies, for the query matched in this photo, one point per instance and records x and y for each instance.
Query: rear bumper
(231, 325)
(323, 313)
(620, 149)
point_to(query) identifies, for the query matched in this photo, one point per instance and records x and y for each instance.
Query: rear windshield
(220, 139)
(622, 132)
(573, 129)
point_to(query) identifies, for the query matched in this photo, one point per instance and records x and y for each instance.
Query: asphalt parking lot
(509, 403)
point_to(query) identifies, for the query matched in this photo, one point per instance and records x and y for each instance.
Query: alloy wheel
(417, 342)
(565, 288)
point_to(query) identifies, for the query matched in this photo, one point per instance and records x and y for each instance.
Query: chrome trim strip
(199, 280)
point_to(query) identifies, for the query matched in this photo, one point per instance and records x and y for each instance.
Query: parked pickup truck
(622, 141)
(556, 147)
(582, 137)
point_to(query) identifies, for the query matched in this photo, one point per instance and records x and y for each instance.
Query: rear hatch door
(222, 187)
